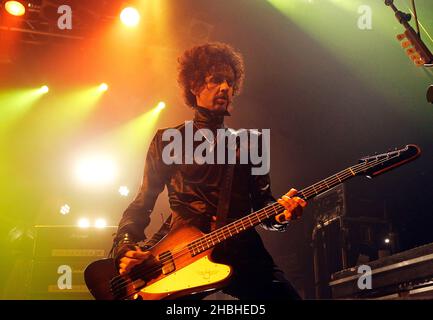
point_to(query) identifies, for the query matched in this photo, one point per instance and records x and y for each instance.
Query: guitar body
(176, 274)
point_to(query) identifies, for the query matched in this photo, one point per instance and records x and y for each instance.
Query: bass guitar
(181, 264)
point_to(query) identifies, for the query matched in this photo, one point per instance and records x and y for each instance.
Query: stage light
(130, 16)
(124, 191)
(15, 103)
(95, 170)
(160, 106)
(100, 223)
(387, 240)
(65, 209)
(103, 87)
(131, 134)
(44, 89)
(83, 223)
(15, 8)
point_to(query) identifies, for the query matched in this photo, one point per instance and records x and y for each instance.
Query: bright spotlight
(100, 223)
(44, 89)
(65, 209)
(103, 87)
(15, 8)
(387, 240)
(124, 191)
(160, 106)
(83, 223)
(130, 16)
(95, 170)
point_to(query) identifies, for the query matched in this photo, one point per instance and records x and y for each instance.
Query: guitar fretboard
(215, 237)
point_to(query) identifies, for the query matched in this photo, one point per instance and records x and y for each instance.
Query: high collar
(204, 118)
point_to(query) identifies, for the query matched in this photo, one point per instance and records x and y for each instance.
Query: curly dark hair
(196, 62)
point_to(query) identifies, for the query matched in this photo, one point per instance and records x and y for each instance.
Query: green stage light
(15, 103)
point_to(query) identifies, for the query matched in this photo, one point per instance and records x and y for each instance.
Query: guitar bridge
(167, 262)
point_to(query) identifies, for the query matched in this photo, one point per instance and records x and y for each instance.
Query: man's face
(216, 94)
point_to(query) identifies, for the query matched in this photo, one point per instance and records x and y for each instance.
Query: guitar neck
(215, 237)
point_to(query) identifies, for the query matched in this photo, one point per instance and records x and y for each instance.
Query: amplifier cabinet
(60, 256)
(405, 275)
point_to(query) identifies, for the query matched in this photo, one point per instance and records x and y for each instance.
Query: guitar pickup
(166, 259)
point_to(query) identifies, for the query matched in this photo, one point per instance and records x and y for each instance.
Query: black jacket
(193, 190)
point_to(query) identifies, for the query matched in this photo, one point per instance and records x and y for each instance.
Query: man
(210, 76)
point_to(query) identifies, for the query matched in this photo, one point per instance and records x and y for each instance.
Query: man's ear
(195, 88)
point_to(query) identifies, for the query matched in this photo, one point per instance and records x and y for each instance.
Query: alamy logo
(364, 280)
(65, 280)
(365, 20)
(65, 20)
(244, 145)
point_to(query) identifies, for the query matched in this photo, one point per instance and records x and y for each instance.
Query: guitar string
(199, 242)
(344, 176)
(119, 282)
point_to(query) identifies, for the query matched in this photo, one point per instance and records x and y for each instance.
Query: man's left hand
(293, 207)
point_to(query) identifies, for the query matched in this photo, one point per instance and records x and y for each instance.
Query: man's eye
(221, 79)
(217, 80)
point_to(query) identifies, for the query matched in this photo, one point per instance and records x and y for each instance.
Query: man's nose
(224, 86)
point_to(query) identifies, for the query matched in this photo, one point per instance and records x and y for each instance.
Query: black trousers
(261, 285)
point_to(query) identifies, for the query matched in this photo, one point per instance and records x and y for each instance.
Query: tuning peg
(401, 36)
(420, 62)
(417, 60)
(415, 57)
(410, 51)
(406, 44)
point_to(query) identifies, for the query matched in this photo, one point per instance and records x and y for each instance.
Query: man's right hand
(132, 258)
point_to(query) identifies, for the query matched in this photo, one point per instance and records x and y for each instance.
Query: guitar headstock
(415, 48)
(373, 166)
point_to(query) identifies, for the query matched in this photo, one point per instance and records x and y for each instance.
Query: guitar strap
(222, 208)
(224, 197)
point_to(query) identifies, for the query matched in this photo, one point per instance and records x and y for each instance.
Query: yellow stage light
(44, 89)
(100, 223)
(65, 209)
(130, 17)
(15, 8)
(95, 170)
(124, 191)
(83, 223)
(103, 87)
(160, 106)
